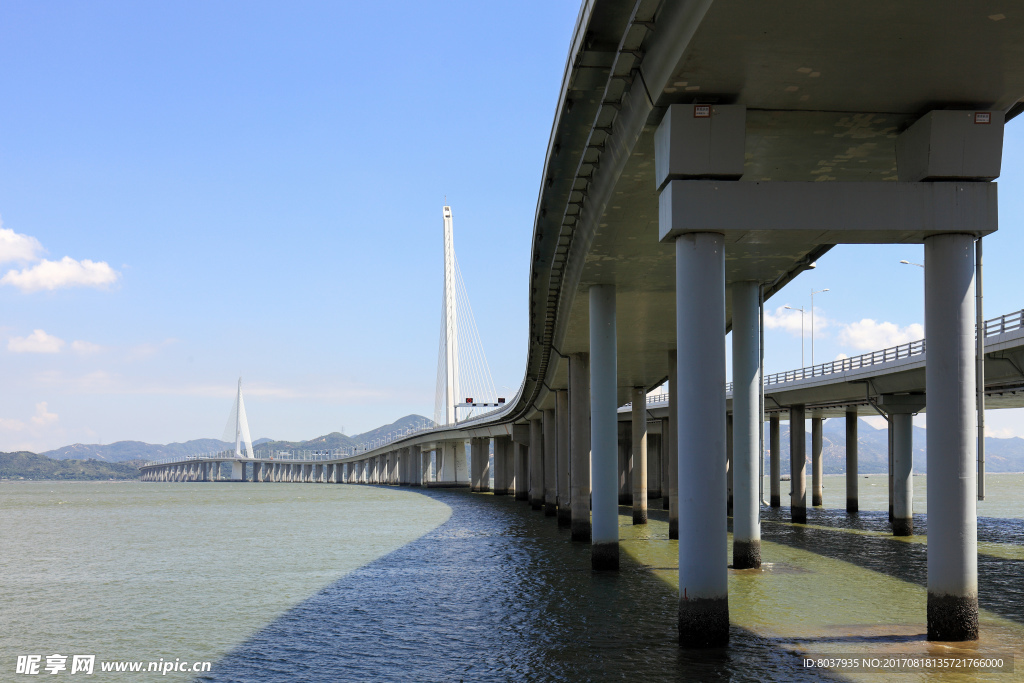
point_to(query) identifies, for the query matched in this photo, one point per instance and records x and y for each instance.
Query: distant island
(120, 460)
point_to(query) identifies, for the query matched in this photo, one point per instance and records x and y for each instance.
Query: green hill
(25, 465)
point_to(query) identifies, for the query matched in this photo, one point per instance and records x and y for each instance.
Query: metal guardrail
(1001, 325)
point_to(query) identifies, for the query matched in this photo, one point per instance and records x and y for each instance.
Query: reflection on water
(289, 582)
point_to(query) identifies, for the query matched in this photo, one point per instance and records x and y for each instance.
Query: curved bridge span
(702, 155)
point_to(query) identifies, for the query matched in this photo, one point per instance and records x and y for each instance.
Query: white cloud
(10, 425)
(67, 272)
(43, 416)
(783, 319)
(841, 356)
(870, 335)
(85, 348)
(17, 247)
(37, 342)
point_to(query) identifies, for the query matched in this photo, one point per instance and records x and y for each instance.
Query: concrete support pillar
(700, 424)
(666, 449)
(536, 464)
(673, 436)
(746, 426)
(500, 470)
(603, 428)
(817, 466)
(625, 465)
(414, 468)
(798, 464)
(775, 460)
(522, 469)
(903, 480)
(950, 375)
(550, 463)
(728, 463)
(653, 467)
(639, 429)
(579, 445)
(475, 465)
(562, 450)
(852, 497)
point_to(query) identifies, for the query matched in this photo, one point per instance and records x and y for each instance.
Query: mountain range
(124, 451)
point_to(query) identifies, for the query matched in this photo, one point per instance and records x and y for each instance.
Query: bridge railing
(1007, 322)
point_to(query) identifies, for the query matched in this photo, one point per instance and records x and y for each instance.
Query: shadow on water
(1000, 580)
(496, 593)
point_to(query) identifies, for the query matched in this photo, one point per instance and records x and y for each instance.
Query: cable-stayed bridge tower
(463, 376)
(237, 428)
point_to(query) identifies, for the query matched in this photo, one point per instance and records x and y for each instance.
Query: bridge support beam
(817, 467)
(603, 429)
(729, 464)
(798, 464)
(775, 461)
(639, 419)
(746, 442)
(852, 495)
(700, 420)
(475, 465)
(579, 445)
(950, 376)
(501, 478)
(654, 450)
(902, 426)
(562, 417)
(550, 463)
(536, 464)
(625, 464)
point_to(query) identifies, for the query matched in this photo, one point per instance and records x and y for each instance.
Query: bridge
(703, 154)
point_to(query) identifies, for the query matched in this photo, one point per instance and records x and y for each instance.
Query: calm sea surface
(295, 582)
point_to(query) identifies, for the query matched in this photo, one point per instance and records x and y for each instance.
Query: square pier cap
(951, 145)
(700, 141)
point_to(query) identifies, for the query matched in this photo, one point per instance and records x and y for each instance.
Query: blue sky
(194, 191)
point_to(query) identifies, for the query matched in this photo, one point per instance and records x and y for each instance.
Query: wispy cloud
(44, 274)
(17, 247)
(43, 416)
(85, 348)
(37, 342)
(67, 272)
(793, 321)
(870, 335)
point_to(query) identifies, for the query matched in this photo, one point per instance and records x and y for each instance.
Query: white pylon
(238, 425)
(451, 337)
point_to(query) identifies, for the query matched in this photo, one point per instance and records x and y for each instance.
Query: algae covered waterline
(288, 582)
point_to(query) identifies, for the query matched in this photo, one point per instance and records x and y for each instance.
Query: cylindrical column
(536, 465)
(746, 426)
(775, 460)
(798, 464)
(653, 467)
(474, 464)
(485, 464)
(522, 468)
(603, 428)
(903, 480)
(700, 383)
(952, 448)
(562, 416)
(728, 463)
(639, 455)
(624, 464)
(673, 447)
(817, 467)
(852, 497)
(550, 463)
(666, 458)
(500, 487)
(579, 445)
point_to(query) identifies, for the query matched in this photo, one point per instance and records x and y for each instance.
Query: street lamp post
(801, 309)
(820, 291)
